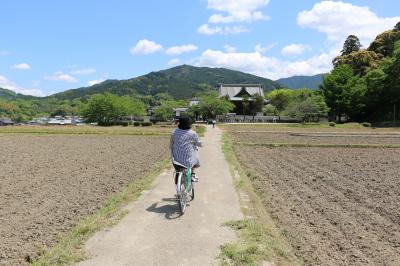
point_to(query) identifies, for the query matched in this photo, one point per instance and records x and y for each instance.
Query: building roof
(6, 121)
(236, 91)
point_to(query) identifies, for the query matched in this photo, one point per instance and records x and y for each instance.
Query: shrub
(136, 123)
(332, 124)
(146, 124)
(366, 124)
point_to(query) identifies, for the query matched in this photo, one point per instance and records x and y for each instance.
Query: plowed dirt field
(49, 183)
(335, 205)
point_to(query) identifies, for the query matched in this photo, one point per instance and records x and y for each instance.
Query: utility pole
(394, 115)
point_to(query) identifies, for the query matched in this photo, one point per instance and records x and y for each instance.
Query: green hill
(11, 95)
(299, 82)
(180, 82)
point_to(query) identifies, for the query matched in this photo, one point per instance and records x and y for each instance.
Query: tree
(280, 98)
(269, 109)
(336, 88)
(246, 104)
(211, 105)
(384, 43)
(165, 110)
(309, 109)
(361, 61)
(352, 44)
(257, 105)
(104, 108)
(397, 27)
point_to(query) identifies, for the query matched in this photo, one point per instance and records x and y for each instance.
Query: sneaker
(195, 178)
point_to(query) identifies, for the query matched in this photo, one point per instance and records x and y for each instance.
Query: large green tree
(352, 44)
(164, 111)
(210, 105)
(104, 108)
(309, 109)
(340, 89)
(280, 98)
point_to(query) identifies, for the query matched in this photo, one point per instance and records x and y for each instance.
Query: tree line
(364, 84)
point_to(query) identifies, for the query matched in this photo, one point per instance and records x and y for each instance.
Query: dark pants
(179, 168)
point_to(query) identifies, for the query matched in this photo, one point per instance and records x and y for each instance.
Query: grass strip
(274, 145)
(69, 248)
(200, 130)
(73, 131)
(259, 238)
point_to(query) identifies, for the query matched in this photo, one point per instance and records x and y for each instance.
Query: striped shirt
(183, 147)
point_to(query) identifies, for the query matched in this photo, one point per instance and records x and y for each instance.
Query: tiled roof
(231, 90)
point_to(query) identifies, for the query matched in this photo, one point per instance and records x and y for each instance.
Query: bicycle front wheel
(182, 198)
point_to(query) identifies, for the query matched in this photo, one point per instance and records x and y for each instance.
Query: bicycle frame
(187, 180)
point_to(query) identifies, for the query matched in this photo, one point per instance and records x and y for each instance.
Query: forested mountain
(11, 95)
(299, 82)
(180, 82)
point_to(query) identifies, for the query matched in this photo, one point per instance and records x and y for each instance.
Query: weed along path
(153, 233)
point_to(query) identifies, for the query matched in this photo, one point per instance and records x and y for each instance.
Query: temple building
(242, 93)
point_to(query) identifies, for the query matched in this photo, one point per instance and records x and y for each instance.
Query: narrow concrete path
(153, 233)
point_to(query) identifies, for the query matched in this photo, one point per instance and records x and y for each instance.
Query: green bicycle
(184, 187)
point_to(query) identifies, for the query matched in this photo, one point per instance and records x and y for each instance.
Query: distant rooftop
(237, 91)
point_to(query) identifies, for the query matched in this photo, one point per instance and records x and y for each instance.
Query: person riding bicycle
(183, 146)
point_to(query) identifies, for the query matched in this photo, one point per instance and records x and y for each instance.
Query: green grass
(69, 248)
(200, 130)
(259, 238)
(85, 130)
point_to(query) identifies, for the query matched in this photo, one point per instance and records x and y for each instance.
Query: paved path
(152, 233)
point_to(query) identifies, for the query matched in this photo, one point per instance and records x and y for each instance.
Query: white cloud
(8, 84)
(269, 67)
(206, 29)
(145, 47)
(21, 66)
(229, 49)
(85, 71)
(262, 49)
(96, 81)
(295, 49)
(177, 50)
(60, 76)
(338, 20)
(237, 11)
(174, 62)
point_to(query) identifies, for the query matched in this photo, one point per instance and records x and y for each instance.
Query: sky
(49, 46)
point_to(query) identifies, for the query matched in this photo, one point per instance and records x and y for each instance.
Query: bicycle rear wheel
(192, 193)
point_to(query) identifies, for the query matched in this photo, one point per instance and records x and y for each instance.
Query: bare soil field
(337, 206)
(312, 138)
(49, 183)
(298, 128)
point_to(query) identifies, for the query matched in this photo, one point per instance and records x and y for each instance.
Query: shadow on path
(170, 211)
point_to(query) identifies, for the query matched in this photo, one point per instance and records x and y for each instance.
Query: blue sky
(51, 46)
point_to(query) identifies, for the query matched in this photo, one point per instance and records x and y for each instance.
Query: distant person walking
(214, 122)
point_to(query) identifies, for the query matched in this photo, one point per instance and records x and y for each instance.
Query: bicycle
(184, 187)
